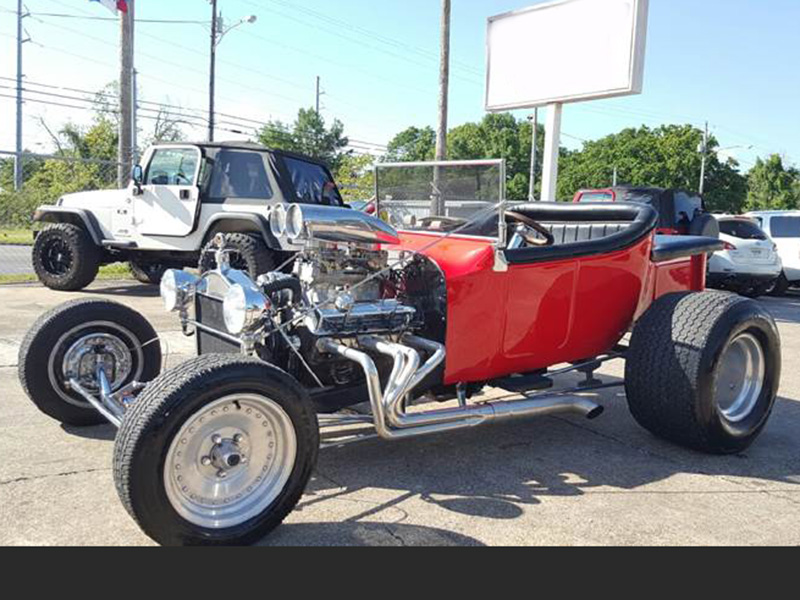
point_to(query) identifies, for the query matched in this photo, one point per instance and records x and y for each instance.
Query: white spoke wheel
(216, 452)
(230, 461)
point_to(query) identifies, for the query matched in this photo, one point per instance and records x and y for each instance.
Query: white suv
(783, 227)
(749, 264)
(177, 201)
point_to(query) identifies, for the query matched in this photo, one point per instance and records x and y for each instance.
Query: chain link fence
(44, 179)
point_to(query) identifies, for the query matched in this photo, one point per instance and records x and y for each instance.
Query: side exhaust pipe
(391, 420)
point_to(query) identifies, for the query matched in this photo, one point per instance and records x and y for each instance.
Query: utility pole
(135, 120)
(437, 204)
(126, 120)
(18, 154)
(212, 69)
(532, 190)
(704, 150)
(319, 93)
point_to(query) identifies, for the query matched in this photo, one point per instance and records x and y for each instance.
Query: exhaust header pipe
(305, 222)
(392, 422)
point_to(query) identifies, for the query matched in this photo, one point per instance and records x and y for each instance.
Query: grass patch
(115, 272)
(16, 237)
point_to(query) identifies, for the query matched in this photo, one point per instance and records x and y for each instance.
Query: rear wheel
(216, 452)
(70, 342)
(247, 253)
(703, 371)
(146, 272)
(781, 286)
(65, 258)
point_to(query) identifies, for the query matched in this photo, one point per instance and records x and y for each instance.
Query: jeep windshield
(312, 183)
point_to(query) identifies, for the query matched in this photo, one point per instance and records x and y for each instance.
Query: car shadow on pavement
(125, 291)
(351, 533)
(786, 309)
(501, 472)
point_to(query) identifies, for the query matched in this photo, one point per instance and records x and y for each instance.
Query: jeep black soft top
(291, 174)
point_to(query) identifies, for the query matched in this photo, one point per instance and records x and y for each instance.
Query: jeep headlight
(243, 308)
(177, 289)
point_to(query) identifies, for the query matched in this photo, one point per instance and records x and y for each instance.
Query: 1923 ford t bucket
(219, 450)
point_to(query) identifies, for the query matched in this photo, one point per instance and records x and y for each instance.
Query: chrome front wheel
(230, 461)
(216, 452)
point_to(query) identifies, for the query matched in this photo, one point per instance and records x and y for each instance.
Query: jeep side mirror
(137, 176)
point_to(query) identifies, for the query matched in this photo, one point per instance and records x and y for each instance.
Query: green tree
(356, 178)
(666, 156)
(500, 136)
(308, 135)
(773, 186)
(412, 145)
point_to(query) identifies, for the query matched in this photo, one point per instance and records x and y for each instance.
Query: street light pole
(218, 31)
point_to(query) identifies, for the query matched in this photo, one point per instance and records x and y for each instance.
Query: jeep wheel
(65, 258)
(70, 341)
(147, 273)
(703, 371)
(216, 452)
(248, 253)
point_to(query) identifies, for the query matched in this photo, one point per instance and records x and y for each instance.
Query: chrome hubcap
(740, 379)
(230, 461)
(93, 345)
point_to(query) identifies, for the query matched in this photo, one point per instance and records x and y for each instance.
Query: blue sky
(731, 62)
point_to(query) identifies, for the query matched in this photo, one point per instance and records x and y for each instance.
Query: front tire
(216, 452)
(703, 371)
(65, 258)
(63, 343)
(248, 253)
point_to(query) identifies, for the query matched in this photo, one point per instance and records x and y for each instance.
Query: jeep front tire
(248, 253)
(65, 258)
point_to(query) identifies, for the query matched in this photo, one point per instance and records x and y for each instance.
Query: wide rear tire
(216, 452)
(57, 336)
(703, 371)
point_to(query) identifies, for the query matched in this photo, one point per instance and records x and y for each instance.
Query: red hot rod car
(219, 450)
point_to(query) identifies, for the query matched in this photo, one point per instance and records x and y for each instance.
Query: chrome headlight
(243, 308)
(277, 221)
(295, 223)
(178, 289)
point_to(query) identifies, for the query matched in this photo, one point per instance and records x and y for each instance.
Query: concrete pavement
(15, 260)
(562, 481)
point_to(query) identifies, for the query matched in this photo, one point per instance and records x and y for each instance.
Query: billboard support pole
(551, 148)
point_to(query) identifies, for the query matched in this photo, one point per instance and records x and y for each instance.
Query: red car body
(535, 316)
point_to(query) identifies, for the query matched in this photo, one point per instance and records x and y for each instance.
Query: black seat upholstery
(570, 233)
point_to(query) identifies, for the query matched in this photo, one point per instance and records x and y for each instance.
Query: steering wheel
(529, 238)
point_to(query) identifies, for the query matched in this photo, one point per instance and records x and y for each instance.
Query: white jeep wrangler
(182, 196)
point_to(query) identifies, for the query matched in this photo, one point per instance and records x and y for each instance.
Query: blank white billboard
(565, 51)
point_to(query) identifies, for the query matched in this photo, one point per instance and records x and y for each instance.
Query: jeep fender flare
(73, 216)
(241, 223)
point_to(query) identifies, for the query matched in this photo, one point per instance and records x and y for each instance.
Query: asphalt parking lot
(15, 260)
(553, 481)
